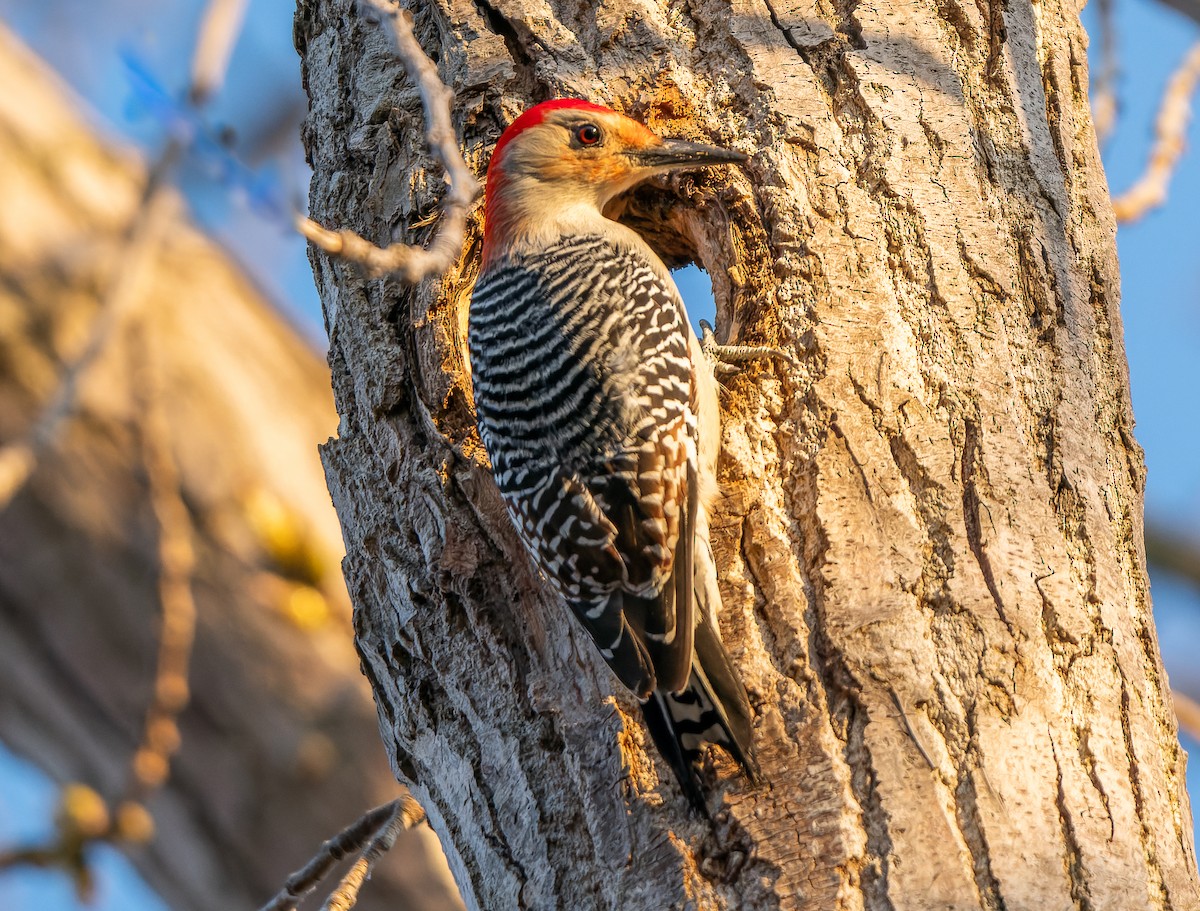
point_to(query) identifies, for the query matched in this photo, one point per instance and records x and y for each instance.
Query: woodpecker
(598, 410)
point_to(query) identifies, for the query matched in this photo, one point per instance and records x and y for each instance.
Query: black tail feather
(670, 745)
(712, 663)
(712, 708)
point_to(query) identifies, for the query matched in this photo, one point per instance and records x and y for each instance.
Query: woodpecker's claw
(730, 359)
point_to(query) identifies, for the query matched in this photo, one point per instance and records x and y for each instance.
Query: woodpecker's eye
(588, 134)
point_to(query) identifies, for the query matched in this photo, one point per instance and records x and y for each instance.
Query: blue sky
(1160, 271)
(1160, 277)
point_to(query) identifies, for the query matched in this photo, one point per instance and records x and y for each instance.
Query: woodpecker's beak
(675, 153)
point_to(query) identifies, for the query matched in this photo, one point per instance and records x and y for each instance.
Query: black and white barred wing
(583, 390)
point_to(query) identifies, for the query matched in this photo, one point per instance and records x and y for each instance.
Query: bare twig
(1104, 95)
(372, 835)
(344, 897)
(413, 264)
(1150, 190)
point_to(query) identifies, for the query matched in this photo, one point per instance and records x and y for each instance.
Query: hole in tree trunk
(670, 217)
(695, 287)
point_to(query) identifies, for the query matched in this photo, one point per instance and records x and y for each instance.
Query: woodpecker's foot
(730, 359)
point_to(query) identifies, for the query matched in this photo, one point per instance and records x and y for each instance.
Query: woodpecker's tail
(712, 708)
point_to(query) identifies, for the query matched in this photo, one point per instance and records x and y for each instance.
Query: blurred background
(264, 525)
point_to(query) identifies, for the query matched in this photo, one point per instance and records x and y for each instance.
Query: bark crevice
(1073, 856)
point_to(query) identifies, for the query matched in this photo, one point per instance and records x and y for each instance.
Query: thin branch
(408, 814)
(346, 842)
(371, 835)
(1170, 129)
(410, 263)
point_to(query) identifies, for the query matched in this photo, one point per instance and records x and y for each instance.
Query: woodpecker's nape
(599, 413)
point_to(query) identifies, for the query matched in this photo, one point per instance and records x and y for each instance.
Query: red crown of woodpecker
(537, 114)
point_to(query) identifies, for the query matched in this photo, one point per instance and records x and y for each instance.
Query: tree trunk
(931, 531)
(278, 749)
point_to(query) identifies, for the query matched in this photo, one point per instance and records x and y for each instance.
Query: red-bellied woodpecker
(599, 412)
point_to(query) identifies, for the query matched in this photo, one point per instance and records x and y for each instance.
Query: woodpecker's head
(561, 161)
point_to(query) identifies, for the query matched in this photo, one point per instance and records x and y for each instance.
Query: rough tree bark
(279, 750)
(931, 531)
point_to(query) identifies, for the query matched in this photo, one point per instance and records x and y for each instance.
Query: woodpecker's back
(598, 413)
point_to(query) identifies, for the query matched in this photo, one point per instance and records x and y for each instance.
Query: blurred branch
(1150, 190)
(218, 34)
(79, 556)
(413, 263)
(371, 835)
(81, 818)
(84, 816)
(1189, 8)
(177, 560)
(1187, 710)
(1104, 96)
(1173, 552)
(19, 459)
